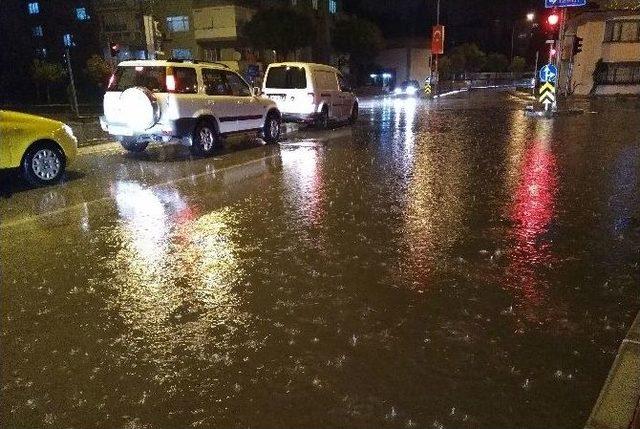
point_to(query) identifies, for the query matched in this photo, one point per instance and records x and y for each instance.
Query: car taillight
(170, 83)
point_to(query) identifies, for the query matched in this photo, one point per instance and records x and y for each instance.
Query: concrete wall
(408, 63)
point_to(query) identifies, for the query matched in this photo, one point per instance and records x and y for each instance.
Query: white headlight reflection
(173, 275)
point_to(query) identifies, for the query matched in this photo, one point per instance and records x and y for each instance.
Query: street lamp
(530, 18)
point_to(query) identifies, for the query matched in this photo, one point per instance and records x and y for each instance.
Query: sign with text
(549, 4)
(437, 40)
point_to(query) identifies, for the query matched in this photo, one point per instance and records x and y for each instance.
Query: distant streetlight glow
(531, 16)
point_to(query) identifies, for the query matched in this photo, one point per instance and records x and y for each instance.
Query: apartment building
(203, 29)
(609, 62)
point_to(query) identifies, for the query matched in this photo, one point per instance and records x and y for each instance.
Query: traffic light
(552, 26)
(114, 48)
(577, 45)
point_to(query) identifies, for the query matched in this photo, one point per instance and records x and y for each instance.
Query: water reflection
(532, 212)
(174, 273)
(302, 179)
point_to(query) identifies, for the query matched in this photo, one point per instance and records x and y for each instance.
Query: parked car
(194, 103)
(408, 87)
(40, 147)
(310, 93)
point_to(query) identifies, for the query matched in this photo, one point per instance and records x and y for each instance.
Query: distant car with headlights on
(40, 147)
(408, 87)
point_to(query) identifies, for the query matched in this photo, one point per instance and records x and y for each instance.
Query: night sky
(485, 22)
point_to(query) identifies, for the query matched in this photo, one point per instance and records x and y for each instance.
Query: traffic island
(617, 404)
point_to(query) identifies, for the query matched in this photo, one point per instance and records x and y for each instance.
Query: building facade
(201, 29)
(609, 62)
(402, 60)
(44, 30)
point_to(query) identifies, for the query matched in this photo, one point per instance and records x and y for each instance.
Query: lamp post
(530, 17)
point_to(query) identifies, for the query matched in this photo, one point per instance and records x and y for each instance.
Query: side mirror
(257, 92)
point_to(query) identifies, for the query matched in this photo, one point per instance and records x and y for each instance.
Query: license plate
(277, 97)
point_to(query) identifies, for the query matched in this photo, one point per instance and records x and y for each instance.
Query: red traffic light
(553, 19)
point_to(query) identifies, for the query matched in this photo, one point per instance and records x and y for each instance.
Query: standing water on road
(443, 264)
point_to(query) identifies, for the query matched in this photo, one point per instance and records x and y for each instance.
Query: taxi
(40, 147)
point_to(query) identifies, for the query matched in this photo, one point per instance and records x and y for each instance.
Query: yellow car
(40, 147)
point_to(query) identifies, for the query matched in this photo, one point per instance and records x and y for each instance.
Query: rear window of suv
(286, 77)
(154, 78)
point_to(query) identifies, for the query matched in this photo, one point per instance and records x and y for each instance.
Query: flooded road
(444, 264)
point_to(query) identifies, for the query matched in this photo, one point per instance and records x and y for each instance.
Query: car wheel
(323, 119)
(43, 164)
(354, 114)
(205, 140)
(271, 129)
(132, 145)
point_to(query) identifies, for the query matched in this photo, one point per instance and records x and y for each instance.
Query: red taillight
(170, 83)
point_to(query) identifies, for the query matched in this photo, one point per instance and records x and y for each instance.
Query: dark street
(448, 263)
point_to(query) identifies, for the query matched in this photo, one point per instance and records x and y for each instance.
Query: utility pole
(74, 94)
(435, 62)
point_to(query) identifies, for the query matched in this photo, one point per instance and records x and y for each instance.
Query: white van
(310, 93)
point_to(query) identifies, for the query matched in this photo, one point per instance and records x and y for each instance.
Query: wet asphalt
(444, 264)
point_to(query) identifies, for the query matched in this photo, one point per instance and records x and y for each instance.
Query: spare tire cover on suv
(140, 107)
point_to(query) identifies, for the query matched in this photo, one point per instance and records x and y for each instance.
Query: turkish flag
(437, 40)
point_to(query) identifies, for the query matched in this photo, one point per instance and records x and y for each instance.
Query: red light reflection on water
(532, 212)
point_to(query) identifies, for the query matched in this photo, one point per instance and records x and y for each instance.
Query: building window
(177, 23)
(622, 31)
(81, 14)
(627, 73)
(41, 53)
(34, 8)
(67, 40)
(181, 54)
(314, 4)
(333, 6)
(37, 31)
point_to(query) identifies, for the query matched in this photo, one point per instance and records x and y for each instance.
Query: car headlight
(411, 90)
(397, 91)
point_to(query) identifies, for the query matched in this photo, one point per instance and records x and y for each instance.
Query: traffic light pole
(74, 94)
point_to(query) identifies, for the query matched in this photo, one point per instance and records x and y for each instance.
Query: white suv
(190, 102)
(312, 93)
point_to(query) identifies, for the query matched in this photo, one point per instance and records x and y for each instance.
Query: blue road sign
(549, 4)
(549, 73)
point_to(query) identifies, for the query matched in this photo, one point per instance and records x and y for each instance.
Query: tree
(46, 73)
(445, 68)
(475, 59)
(99, 70)
(496, 63)
(282, 29)
(518, 65)
(359, 38)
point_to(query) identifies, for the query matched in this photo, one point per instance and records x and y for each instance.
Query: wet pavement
(443, 264)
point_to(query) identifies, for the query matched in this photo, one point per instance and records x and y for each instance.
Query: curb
(617, 406)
